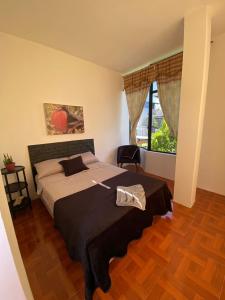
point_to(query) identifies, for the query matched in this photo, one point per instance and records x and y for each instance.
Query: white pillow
(87, 157)
(49, 167)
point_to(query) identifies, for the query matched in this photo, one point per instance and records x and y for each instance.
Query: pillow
(49, 167)
(73, 166)
(87, 157)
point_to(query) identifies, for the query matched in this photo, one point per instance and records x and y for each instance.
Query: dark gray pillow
(73, 166)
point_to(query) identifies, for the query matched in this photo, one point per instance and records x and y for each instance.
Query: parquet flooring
(182, 256)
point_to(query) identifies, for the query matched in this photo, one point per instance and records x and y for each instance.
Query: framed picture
(63, 119)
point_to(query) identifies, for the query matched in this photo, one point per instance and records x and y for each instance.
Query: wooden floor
(179, 257)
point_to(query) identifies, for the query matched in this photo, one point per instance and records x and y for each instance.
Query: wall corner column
(197, 38)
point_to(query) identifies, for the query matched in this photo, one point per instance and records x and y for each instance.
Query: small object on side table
(8, 162)
(21, 201)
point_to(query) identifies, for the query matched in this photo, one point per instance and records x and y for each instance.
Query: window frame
(151, 94)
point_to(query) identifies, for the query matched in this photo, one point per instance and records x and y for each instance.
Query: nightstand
(17, 186)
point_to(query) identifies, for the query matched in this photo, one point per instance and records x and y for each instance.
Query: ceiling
(117, 34)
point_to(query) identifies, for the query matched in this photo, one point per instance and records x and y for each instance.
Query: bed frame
(94, 235)
(40, 152)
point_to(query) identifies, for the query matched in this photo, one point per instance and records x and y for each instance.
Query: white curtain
(136, 101)
(169, 97)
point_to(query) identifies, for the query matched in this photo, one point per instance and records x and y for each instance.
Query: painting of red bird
(63, 119)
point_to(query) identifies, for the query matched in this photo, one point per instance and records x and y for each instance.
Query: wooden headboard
(40, 152)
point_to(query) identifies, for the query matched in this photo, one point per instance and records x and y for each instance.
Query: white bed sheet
(56, 186)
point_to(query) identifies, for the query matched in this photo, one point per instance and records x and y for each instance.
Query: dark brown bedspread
(95, 229)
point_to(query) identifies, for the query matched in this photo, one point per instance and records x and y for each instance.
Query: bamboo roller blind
(166, 70)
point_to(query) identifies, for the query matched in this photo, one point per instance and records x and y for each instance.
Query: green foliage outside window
(162, 140)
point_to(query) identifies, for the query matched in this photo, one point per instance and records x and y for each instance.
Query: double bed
(84, 208)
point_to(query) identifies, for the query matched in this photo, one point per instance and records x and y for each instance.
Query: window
(152, 132)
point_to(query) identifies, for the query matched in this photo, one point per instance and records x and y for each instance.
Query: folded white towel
(131, 196)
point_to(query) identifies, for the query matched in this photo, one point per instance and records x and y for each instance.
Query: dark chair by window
(128, 154)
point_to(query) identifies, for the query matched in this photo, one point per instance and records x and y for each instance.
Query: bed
(94, 228)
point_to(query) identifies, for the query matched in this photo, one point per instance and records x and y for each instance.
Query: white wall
(160, 164)
(13, 279)
(212, 163)
(197, 27)
(10, 287)
(212, 159)
(32, 74)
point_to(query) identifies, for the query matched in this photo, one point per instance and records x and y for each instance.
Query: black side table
(16, 186)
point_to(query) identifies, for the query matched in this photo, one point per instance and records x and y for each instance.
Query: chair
(128, 154)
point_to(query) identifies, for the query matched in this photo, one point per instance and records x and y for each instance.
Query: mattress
(57, 186)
